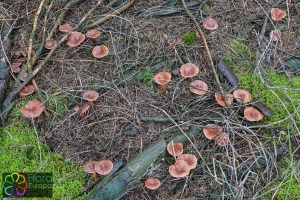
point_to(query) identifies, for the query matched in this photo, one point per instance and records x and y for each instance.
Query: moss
(189, 37)
(145, 76)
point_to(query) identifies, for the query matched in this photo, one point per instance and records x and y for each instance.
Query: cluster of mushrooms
(102, 167)
(276, 15)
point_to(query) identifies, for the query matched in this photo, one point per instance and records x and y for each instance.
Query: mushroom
(242, 96)
(15, 66)
(210, 24)
(100, 51)
(90, 96)
(33, 109)
(24, 76)
(180, 169)
(50, 44)
(188, 70)
(104, 167)
(222, 139)
(198, 87)
(76, 108)
(220, 100)
(25, 52)
(27, 90)
(171, 41)
(190, 159)
(275, 35)
(175, 149)
(252, 114)
(65, 28)
(211, 131)
(93, 34)
(277, 14)
(152, 183)
(162, 78)
(75, 39)
(90, 168)
(85, 107)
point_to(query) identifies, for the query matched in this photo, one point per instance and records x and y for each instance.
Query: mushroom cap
(25, 52)
(27, 90)
(76, 108)
(222, 139)
(188, 70)
(277, 14)
(190, 159)
(220, 100)
(252, 114)
(33, 109)
(75, 39)
(90, 167)
(152, 183)
(275, 35)
(171, 41)
(180, 169)
(90, 95)
(198, 87)
(104, 167)
(175, 149)
(162, 78)
(211, 131)
(100, 51)
(15, 66)
(93, 33)
(242, 96)
(65, 28)
(210, 24)
(24, 76)
(50, 44)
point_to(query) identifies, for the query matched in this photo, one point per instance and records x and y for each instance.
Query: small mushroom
(210, 24)
(275, 35)
(277, 14)
(27, 90)
(152, 183)
(25, 52)
(104, 167)
(180, 169)
(33, 109)
(75, 39)
(211, 131)
(85, 107)
(175, 149)
(76, 108)
(242, 96)
(100, 51)
(24, 76)
(188, 70)
(15, 66)
(162, 78)
(65, 28)
(50, 44)
(90, 168)
(171, 42)
(220, 100)
(190, 159)
(90, 96)
(93, 34)
(222, 139)
(198, 87)
(252, 114)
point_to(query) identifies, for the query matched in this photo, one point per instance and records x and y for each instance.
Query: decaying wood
(264, 109)
(227, 73)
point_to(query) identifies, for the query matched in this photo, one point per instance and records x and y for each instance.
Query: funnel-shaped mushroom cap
(90, 95)
(90, 167)
(277, 14)
(242, 96)
(211, 131)
(27, 90)
(162, 78)
(93, 33)
(152, 183)
(275, 35)
(50, 44)
(222, 139)
(190, 159)
(198, 87)
(100, 51)
(252, 114)
(65, 28)
(175, 149)
(104, 167)
(75, 39)
(33, 109)
(179, 169)
(15, 66)
(210, 24)
(220, 100)
(188, 70)
(24, 76)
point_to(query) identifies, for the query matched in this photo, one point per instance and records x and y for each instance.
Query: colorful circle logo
(15, 185)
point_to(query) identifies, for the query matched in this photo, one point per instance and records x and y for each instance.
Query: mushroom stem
(46, 112)
(94, 40)
(82, 115)
(94, 175)
(163, 88)
(92, 106)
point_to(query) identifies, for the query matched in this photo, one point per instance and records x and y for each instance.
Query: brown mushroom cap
(152, 183)
(90, 167)
(210, 24)
(93, 33)
(220, 100)
(100, 51)
(33, 109)
(180, 169)
(90, 95)
(277, 14)
(190, 159)
(162, 78)
(24, 76)
(252, 114)
(222, 139)
(198, 87)
(50, 44)
(211, 131)
(25, 52)
(75, 39)
(175, 149)
(188, 70)
(27, 90)
(242, 96)
(275, 35)
(65, 28)
(104, 167)
(15, 66)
